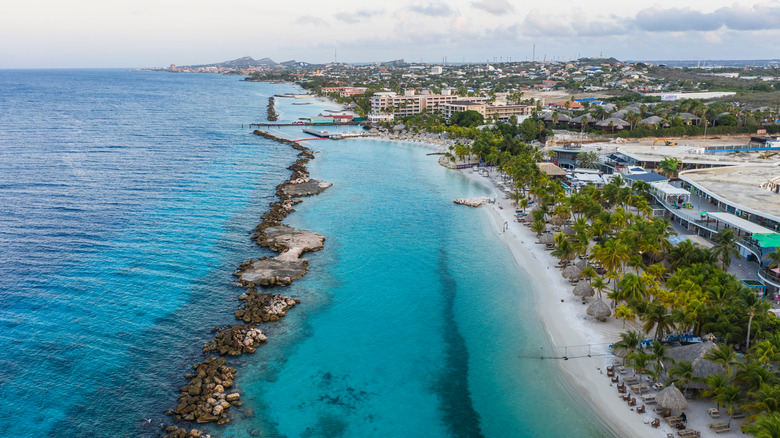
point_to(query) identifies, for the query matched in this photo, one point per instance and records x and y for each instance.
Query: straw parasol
(556, 220)
(583, 289)
(567, 230)
(582, 263)
(671, 398)
(547, 239)
(598, 309)
(572, 272)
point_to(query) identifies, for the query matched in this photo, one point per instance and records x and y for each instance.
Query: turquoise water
(414, 314)
(127, 202)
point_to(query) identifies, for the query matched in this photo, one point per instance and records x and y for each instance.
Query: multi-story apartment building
(499, 112)
(411, 103)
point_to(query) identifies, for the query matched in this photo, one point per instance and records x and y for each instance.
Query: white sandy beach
(565, 319)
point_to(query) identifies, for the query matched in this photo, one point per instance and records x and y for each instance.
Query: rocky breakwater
(471, 202)
(207, 397)
(259, 307)
(235, 341)
(287, 266)
(272, 117)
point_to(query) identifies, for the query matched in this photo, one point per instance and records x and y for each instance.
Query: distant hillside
(294, 63)
(245, 62)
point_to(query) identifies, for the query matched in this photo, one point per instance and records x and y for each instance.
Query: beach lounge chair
(714, 413)
(663, 412)
(720, 427)
(738, 414)
(649, 399)
(622, 370)
(655, 423)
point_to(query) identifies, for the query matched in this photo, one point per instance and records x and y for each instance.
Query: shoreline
(563, 317)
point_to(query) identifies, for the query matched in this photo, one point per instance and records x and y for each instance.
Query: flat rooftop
(689, 151)
(740, 186)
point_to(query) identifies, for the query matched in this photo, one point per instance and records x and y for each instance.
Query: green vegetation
(669, 289)
(467, 119)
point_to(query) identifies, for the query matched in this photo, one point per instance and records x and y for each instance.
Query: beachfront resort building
(708, 200)
(412, 103)
(496, 112)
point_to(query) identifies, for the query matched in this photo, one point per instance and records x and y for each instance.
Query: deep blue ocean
(126, 202)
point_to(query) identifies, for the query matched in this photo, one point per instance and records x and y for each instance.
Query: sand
(563, 315)
(572, 331)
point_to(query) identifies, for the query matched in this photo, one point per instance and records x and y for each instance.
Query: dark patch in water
(327, 426)
(461, 418)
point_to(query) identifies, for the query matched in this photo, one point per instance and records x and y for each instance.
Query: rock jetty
(272, 117)
(208, 396)
(235, 341)
(180, 432)
(265, 307)
(471, 202)
(205, 398)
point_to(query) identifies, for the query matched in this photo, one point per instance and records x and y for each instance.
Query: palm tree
(599, 284)
(763, 401)
(729, 396)
(625, 313)
(725, 247)
(715, 382)
(631, 341)
(538, 226)
(640, 361)
(681, 374)
(588, 160)
(655, 315)
(766, 426)
(632, 288)
(563, 250)
(753, 374)
(724, 355)
(774, 258)
(766, 352)
(670, 166)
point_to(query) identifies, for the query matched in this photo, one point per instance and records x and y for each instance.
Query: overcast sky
(149, 33)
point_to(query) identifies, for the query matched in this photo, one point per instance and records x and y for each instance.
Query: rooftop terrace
(740, 186)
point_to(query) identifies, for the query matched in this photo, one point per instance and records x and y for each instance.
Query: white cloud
(310, 19)
(495, 7)
(357, 16)
(435, 9)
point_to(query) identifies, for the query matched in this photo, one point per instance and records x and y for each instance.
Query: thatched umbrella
(671, 398)
(572, 272)
(556, 220)
(567, 230)
(547, 239)
(582, 263)
(583, 289)
(598, 309)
